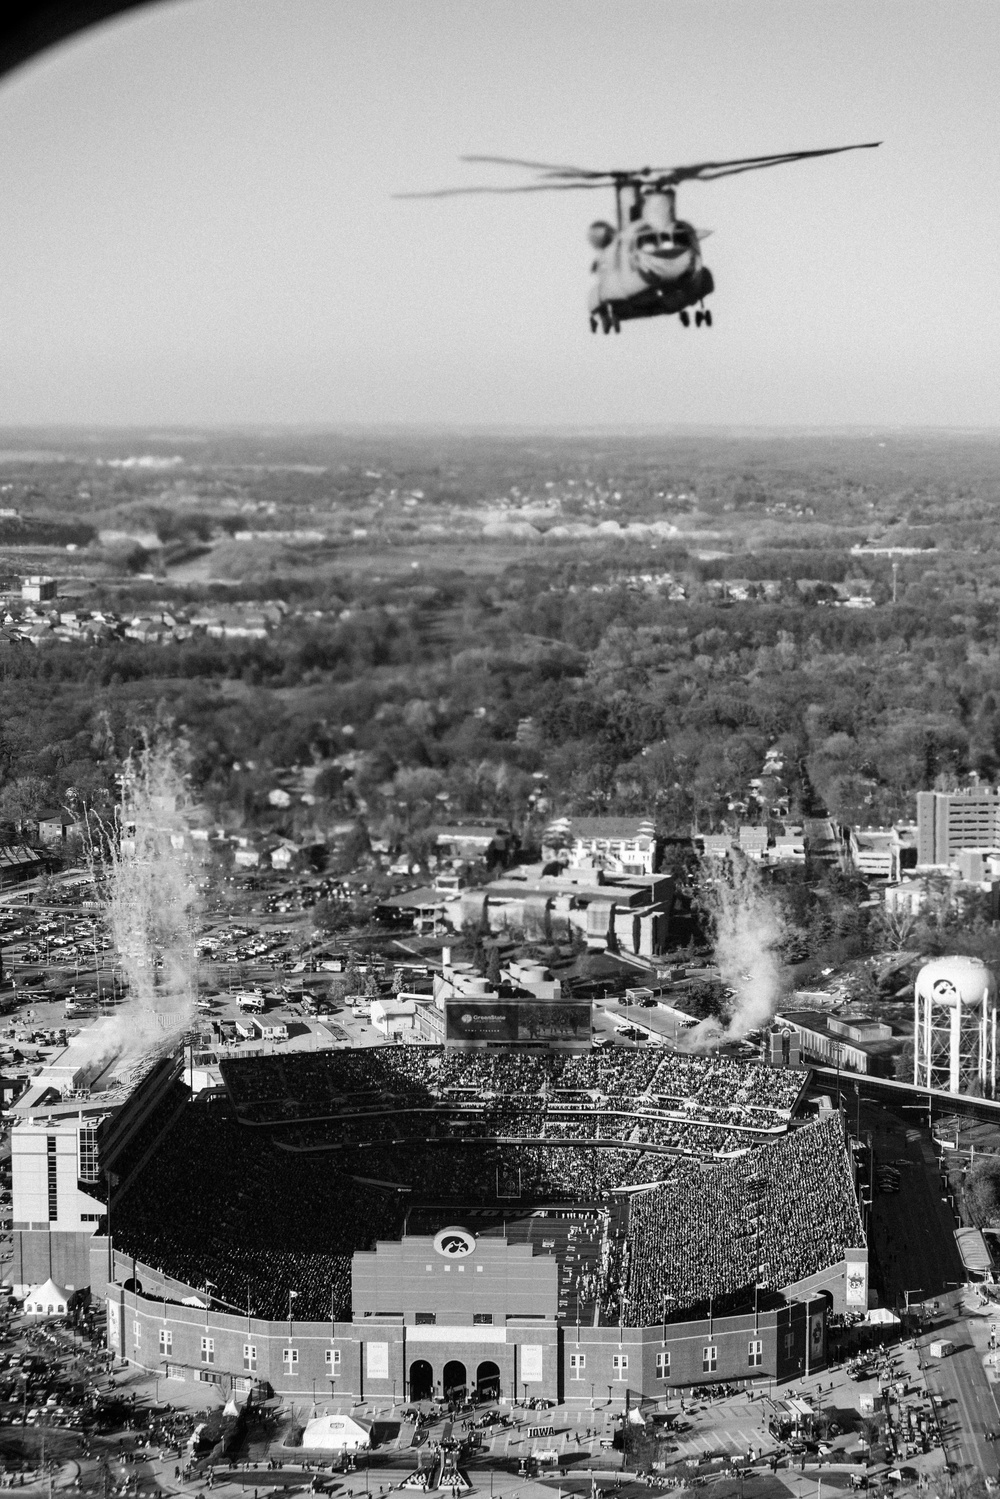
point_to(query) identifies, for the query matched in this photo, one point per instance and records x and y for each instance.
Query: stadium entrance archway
(421, 1380)
(488, 1381)
(455, 1381)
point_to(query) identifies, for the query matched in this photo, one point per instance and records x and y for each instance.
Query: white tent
(880, 1316)
(334, 1434)
(48, 1300)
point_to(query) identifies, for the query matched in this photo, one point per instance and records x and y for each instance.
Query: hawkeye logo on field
(454, 1243)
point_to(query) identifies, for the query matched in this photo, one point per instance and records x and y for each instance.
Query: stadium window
(332, 1360)
(578, 1362)
(249, 1355)
(479, 1269)
(88, 1168)
(425, 1319)
(709, 1359)
(755, 1353)
(166, 1340)
(53, 1184)
(789, 1344)
(208, 1350)
(429, 1269)
(663, 1366)
(620, 1364)
(482, 1319)
(137, 1331)
(447, 1269)
(290, 1359)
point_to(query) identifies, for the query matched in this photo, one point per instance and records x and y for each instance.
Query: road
(960, 1383)
(911, 1232)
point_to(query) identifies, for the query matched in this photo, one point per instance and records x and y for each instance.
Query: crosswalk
(696, 1444)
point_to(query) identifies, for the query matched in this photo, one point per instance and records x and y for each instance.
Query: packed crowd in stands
(217, 1204)
(786, 1212)
(315, 1085)
(520, 1119)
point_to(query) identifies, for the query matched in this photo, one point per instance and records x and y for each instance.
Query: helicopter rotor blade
(707, 171)
(640, 177)
(531, 187)
(537, 166)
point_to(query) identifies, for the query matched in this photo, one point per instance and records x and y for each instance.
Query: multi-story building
(876, 852)
(856, 1042)
(69, 1130)
(622, 845)
(948, 821)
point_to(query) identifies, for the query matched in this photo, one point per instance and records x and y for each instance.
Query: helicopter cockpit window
(651, 240)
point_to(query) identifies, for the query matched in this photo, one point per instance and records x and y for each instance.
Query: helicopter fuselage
(648, 270)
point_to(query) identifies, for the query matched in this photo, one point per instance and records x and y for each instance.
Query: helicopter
(648, 263)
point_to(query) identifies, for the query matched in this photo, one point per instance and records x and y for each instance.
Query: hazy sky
(196, 223)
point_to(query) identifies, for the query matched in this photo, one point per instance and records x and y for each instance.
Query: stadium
(415, 1221)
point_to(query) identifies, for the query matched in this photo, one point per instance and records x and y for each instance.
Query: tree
(493, 975)
(23, 798)
(982, 1191)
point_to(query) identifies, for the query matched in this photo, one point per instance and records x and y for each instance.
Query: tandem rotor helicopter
(649, 261)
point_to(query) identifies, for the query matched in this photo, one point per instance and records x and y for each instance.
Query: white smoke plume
(151, 911)
(748, 929)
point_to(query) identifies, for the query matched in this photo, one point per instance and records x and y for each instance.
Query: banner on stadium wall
(817, 1327)
(856, 1289)
(478, 1021)
(114, 1327)
(531, 1363)
(377, 1360)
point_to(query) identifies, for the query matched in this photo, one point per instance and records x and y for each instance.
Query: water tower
(955, 1026)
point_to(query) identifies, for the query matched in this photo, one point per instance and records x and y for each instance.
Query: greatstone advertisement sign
(483, 1020)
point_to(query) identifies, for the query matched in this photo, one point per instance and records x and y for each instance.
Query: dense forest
(511, 680)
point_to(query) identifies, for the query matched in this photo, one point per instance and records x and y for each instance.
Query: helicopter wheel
(708, 318)
(593, 324)
(685, 318)
(698, 319)
(616, 322)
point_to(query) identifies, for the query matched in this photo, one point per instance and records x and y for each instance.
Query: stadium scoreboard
(487, 1020)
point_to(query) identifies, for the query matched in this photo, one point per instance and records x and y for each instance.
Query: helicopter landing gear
(593, 323)
(685, 318)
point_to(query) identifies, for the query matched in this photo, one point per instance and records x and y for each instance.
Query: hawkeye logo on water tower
(454, 1243)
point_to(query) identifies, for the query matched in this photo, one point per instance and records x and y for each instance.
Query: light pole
(907, 1295)
(291, 1297)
